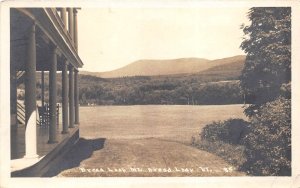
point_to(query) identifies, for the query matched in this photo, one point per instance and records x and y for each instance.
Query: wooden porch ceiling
(19, 26)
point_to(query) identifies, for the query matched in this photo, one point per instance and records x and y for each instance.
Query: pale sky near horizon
(110, 38)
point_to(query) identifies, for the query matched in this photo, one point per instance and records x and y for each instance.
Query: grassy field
(177, 122)
(151, 140)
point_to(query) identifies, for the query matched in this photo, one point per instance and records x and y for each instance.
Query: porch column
(30, 97)
(64, 17)
(76, 97)
(43, 88)
(70, 23)
(71, 97)
(13, 97)
(75, 30)
(52, 96)
(65, 100)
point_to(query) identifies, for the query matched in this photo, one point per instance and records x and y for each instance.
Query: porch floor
(18, 161)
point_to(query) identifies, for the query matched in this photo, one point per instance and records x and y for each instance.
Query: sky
(110, 38)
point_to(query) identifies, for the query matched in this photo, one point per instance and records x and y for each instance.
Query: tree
(267, 77)
(267, 43)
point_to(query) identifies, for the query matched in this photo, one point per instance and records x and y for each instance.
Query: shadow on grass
(82, 150)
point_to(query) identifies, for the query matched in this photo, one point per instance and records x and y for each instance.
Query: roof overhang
(48, 21)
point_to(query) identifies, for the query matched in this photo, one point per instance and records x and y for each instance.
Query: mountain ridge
(149, 67)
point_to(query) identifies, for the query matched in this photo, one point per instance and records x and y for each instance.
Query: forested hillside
(218, 84)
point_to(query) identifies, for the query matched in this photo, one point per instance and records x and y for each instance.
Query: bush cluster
(230, 131)
(269, 141)
(265, 141)
(223, 138)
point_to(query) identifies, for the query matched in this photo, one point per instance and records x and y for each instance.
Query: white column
(65, 99)
(76, 97)
(52, 97)
(13, 97)
(30, 97)
(64, 17)
(71, 97)
(70, 23)
(75, 30)
(43, 88)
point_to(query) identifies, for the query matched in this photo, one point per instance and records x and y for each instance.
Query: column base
(52, 141)
(64, 132)
(33, 156)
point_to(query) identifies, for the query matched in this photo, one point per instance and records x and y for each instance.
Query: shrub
(223, 138)
(230, 131)
(268, 142)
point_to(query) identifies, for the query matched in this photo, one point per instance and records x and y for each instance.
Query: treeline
(194, 89)
(143, 90)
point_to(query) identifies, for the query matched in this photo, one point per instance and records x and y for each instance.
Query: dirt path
(145, 157)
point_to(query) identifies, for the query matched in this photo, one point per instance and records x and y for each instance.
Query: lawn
(171, 122)
(150, 140)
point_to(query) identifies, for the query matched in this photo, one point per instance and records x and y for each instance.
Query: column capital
(65, 60)
(71, 67)
(33, 23)
(32, 29)
(65, 65)
(75, 9)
